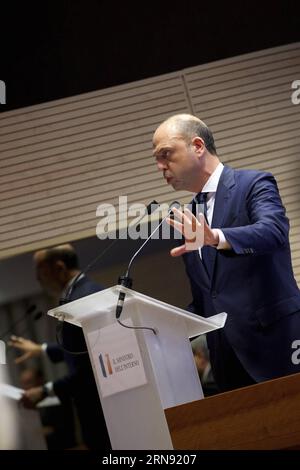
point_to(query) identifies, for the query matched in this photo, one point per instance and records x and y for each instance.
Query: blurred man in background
(58, 272)
(57, 418)
(201, 356)
(8, 421)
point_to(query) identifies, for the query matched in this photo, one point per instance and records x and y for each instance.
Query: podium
(264, 416)
(139, 374)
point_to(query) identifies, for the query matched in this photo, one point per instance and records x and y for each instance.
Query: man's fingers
(189, 232)
(16, 339)
(188, 214)
(187, 217)
(177, 212)
(26, 402)
(192, 227)
(14, 344)
(22, 358)
(184, 216)
(177, 225)
(178, 251)
(201, 220)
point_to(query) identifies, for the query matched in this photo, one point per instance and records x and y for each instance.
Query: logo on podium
(116, 350)
(105, 365)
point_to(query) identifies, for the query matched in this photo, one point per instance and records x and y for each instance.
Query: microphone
(28, 311)
(149, 209)
(125, 280)
(152, 206)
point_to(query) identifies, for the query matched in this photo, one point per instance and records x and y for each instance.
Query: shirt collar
(211, 184)
(65, 291)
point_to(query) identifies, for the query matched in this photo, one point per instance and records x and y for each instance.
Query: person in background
(58, 272)
(8, 422)
(201, 356)
(57, 420)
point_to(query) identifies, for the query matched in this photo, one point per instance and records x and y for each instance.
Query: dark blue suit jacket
(79, 383)
(253, 282)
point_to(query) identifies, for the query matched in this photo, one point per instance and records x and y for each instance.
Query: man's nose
(161, 166)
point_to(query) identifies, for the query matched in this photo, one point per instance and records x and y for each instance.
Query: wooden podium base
(262, 416)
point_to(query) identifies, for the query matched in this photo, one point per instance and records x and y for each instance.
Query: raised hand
(30, 348)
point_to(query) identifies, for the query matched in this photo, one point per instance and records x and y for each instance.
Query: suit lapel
(194, 256)
(223, 194)
(222, 203)
(221, 207)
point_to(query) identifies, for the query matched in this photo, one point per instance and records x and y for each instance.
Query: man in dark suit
(244, 266)
(58, 272)
(57, 420)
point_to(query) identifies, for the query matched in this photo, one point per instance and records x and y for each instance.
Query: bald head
(56, 266)
(187, 126)
(184, 150)
(65, 253)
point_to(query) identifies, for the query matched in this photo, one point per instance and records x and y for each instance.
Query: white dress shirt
(210, 187)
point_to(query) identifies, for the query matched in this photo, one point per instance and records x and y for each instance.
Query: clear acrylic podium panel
(135, 417)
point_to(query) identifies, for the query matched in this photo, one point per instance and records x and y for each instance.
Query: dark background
(58, 48)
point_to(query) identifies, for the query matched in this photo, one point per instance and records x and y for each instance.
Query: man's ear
(60, 266)
(198, 144)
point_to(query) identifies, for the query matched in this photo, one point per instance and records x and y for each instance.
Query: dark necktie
(201, 200)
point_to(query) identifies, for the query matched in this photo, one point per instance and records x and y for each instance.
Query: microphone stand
(126, 280)
(149, 209)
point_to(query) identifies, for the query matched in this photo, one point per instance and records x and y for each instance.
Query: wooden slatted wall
(60, 160)
(246, 100)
